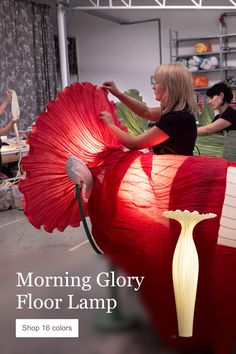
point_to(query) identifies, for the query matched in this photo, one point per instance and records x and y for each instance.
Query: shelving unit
(223, 46)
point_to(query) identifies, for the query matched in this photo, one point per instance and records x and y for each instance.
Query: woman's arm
(6, 101)
(151, 137)
(214, 127)
(134, 105)
(8, 126)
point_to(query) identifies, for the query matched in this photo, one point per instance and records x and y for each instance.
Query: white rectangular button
(39, 328)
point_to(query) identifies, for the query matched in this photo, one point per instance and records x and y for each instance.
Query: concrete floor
(25, 249)
(18, 236)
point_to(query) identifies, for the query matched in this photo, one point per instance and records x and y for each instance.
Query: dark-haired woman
(220, 95)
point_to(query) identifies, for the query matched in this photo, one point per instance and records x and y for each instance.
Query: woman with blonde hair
(174, 130)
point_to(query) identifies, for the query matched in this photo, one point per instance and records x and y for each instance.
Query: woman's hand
(106, 118)
(111, 87)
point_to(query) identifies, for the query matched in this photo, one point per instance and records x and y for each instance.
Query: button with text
(39, 328)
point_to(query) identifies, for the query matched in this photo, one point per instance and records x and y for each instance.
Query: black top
(230, 115)
(182, 130)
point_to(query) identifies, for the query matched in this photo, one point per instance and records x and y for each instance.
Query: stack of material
(229, 152)
(210, 145)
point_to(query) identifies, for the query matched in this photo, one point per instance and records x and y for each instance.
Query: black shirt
(230, 115)
(182, 130)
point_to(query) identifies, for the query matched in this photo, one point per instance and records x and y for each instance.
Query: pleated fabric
(131, 191)
(70, 126)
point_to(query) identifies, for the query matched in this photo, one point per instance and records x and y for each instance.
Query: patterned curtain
(27, 57)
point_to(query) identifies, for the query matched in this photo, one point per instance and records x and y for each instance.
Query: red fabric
(70, 126)
(131, 191)
(136, 189)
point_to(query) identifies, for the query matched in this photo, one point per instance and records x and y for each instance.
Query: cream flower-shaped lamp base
(185, 268)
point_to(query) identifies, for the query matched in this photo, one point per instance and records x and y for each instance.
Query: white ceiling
(144, 4)
(123, 11)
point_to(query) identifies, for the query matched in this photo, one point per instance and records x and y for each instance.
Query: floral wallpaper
(27, 57)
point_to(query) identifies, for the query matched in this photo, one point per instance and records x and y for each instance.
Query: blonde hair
(177, 81)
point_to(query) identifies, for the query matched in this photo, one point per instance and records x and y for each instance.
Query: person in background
(9, 125)
(220, 95)
(174, 130)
